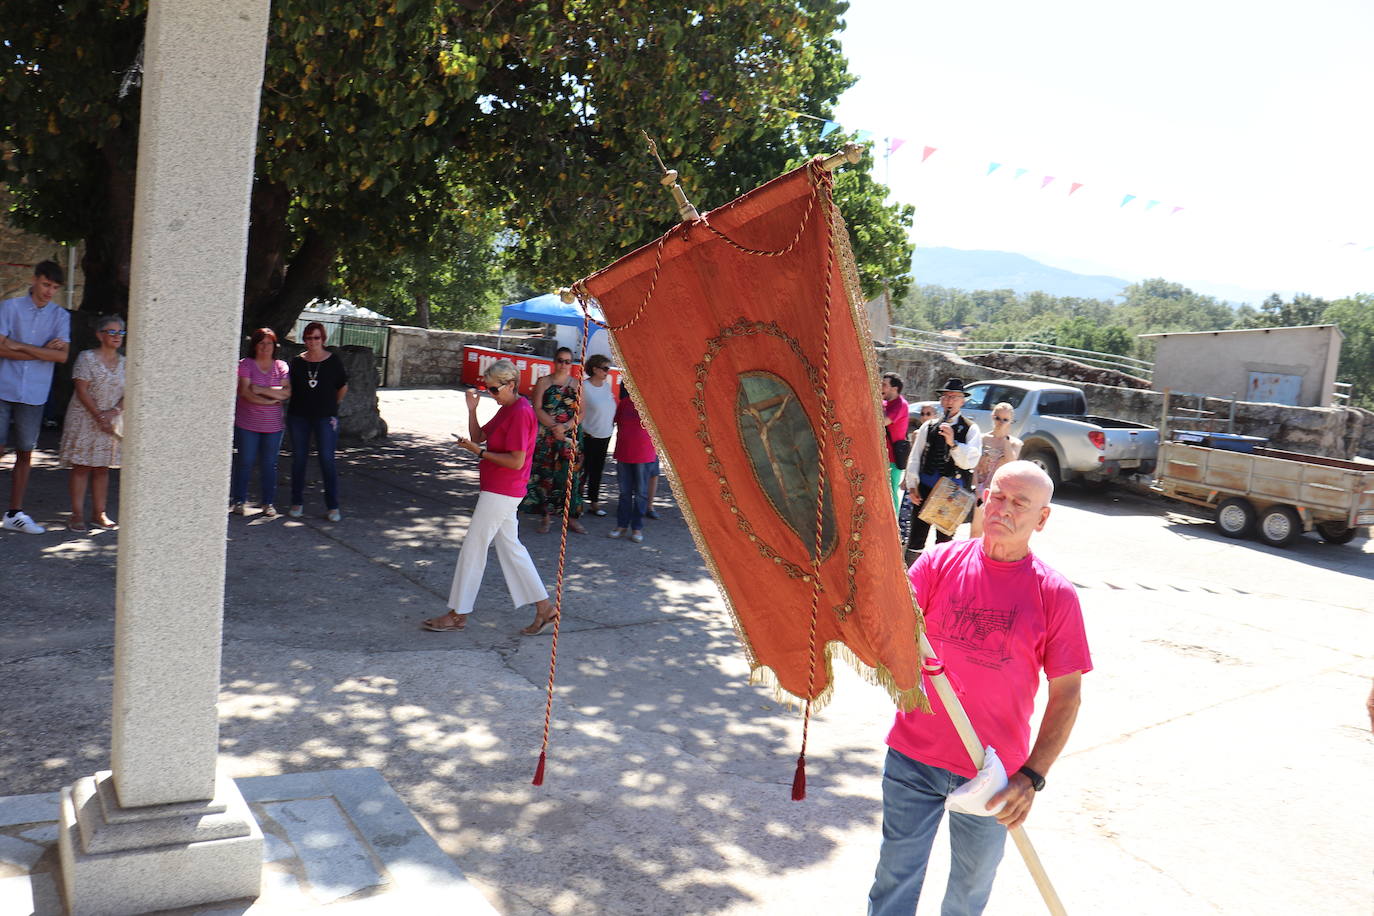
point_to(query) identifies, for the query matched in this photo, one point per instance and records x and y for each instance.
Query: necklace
(313, 378)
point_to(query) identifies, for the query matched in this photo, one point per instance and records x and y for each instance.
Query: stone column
(162, 829)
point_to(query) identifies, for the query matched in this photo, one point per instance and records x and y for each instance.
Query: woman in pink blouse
(504, 447)
(264, 384)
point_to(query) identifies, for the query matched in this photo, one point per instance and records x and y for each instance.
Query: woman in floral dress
(90, 437)
(555, 405)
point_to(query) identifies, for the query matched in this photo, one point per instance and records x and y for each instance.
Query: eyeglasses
(495, 388)
(314, 337)
(567, 361)
(115, 333)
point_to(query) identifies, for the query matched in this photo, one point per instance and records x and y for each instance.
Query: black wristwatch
(1036, 780)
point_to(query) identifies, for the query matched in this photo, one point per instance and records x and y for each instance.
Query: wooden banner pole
(975, 750)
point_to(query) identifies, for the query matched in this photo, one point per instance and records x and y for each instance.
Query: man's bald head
(1032, 474)
(1015, 506)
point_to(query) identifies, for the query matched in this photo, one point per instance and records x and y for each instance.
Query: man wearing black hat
(947, 446)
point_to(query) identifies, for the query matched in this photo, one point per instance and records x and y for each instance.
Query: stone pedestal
(159, 829)
(135, 860)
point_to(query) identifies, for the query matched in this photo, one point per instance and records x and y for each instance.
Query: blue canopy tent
(548, 309)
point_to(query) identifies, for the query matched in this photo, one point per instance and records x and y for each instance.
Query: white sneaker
(637, 537)
(296, 511)
(335, 515)
(20, 521)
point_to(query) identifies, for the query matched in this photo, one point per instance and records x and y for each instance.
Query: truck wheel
(1279, 526)
(1336, 533)
(1236, 517)
(1045, 461)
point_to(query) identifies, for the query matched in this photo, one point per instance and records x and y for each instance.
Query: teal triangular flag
(1019, 173)
(993, 166)
(1127, 199)
(1151, 205)
(864, 136)
(830, 126)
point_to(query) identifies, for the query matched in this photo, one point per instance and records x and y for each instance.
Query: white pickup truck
(1058, 433)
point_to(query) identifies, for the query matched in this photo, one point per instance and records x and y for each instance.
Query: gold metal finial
(851, 154)
(565, 295)
(669, 180)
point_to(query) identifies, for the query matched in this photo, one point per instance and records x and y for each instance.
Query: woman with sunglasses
(598, 422)
(504, 446)
(91, 432)
(319, 383)
(555, 404)
(999, 447)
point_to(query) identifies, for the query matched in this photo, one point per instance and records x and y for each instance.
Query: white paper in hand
(972, 796)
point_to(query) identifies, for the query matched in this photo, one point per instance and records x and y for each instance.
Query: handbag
(901, 452)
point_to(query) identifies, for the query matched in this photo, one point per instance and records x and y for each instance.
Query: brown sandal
(540, 625)
(445, 623)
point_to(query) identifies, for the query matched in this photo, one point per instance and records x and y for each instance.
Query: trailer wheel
(1279, 526)
(1044, 459)
(1236, 517)
(1335, 533)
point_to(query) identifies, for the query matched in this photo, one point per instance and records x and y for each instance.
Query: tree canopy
(425, 142)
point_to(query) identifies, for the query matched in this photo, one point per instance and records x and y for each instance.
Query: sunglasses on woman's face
(314, 337)
(565, 361)
(495, 388)
(115, 333)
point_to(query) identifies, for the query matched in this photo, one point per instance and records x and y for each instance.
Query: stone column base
(120, 861)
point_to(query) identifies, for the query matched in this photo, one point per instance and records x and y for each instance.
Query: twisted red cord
(821, 188)
(562, 562)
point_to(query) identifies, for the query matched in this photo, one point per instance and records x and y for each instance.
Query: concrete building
(1293, 366)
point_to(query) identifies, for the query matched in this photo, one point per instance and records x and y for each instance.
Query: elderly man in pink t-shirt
(996, 616)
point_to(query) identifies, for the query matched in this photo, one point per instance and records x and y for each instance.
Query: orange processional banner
(747, 347)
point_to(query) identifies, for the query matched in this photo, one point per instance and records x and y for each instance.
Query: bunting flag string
(993, 170)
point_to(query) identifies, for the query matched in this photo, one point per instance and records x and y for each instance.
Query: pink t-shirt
(994, 625)
(261, 418)
(632, 442)
(897, 411)
(513, 429)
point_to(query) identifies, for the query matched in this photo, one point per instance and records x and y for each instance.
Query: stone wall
(424, 356)
(1337, 432)
(24, 249)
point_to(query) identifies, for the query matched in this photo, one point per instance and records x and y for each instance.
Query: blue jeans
(634, 494)
(913, 803)
(326, 431)
(255, 449)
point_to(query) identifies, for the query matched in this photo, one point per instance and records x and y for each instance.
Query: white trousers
(493, 520)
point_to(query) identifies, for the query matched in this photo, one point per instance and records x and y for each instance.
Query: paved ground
(1219, 764)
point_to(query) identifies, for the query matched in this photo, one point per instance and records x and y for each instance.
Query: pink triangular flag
(1174, 210)
(1075, 187)
(926, 155)
(1045, 182)
(895, 144)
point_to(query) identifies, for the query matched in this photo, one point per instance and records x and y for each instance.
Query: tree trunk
(305, 279)
(422, 310)
(269, 244)
(109, 245)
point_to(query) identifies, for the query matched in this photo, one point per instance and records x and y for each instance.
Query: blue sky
(1252, 116)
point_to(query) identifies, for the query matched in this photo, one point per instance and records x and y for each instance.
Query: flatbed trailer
(1268, 493)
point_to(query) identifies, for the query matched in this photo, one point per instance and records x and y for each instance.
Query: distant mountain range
(972, 270)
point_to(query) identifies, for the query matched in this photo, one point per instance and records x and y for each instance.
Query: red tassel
(799, 779)
(539, 771)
